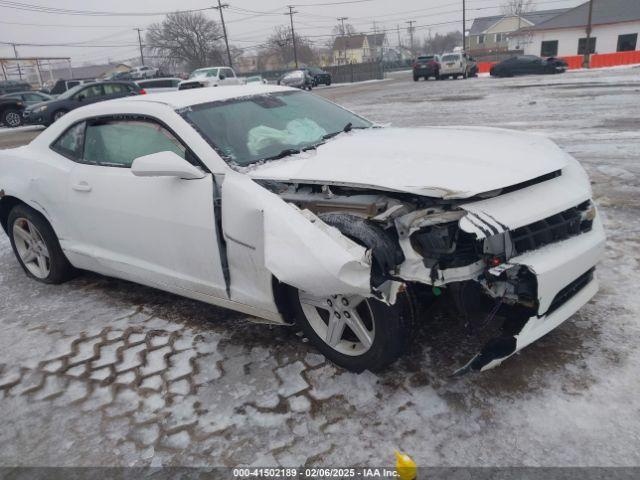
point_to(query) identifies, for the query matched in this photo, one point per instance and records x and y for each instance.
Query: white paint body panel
(435, 161)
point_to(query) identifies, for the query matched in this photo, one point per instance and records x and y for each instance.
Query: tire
(416, 78)
(47, 263)
(386, 326)
(327, 83)
(58, 114)
(12, 118)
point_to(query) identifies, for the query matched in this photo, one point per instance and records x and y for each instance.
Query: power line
(140, 43)
(224, 30)
(64, 11)
(293, 33)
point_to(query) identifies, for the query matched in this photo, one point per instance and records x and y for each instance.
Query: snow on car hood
(442, 162)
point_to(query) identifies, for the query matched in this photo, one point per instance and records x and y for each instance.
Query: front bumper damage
(541, 276)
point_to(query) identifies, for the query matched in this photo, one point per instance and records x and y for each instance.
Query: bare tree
(280, 44)
(339, 31)
(187, 37)
(441, 43)
(517, 7)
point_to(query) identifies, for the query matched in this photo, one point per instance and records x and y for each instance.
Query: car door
(90, 94)
(158, 231)
(229, 77)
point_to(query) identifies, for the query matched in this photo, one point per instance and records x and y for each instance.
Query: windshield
(426, 58)
(262, 127)
(451, 58)
(204, 72)
(71, 92)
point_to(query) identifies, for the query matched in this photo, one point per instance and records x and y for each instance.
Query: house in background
(358, 48)
(615, 28)
(489, 35)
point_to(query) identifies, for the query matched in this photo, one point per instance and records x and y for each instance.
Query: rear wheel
(352, 331)
(36, 246)
(59, 114)
(12, 118)
(416, 78)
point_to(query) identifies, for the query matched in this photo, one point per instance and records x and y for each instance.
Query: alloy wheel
(344, 322)
(13, 119)
(31, 248)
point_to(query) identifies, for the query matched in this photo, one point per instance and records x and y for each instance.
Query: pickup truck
(211, 77)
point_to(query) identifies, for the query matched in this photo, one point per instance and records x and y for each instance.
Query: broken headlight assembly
(446, 245)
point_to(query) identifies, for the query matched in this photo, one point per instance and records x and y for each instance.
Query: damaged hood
(440, 162)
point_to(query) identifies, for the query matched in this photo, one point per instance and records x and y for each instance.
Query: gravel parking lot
(104, 372)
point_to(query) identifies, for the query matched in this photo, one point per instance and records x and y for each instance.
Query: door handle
(82, 187)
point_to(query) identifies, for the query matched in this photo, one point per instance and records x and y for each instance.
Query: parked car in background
(12, 86)
(46, 113)
(320, 77)
(142, 72)
(11, 112)
(426, 66)
(298, 79)
(156, 85)
(528, 65)
(30, 97)
(455, 64)
(120, 76)
(61, 86)
(210, 77)
(255, 79)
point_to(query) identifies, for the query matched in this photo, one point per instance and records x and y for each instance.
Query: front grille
(564, 295)
(552, 229)
(187, 86)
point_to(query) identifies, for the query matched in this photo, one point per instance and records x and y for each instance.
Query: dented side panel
(266, 235)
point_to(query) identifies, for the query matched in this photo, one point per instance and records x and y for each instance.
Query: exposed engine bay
(438, 245)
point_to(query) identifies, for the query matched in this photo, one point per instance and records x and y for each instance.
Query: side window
(114, 89)
(69, 144)
(117, 143)
(90, 92)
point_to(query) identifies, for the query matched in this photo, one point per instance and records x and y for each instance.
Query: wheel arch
(8, 202)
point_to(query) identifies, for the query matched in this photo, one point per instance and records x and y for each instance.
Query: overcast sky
(249, 22)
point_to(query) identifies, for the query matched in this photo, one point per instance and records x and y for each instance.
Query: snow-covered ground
(100, 371)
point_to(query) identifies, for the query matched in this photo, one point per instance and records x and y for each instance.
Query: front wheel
(12, 118)
(36, 246)
(352, 331)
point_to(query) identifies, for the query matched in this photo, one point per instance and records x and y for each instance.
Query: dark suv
(427, 66)
(46, 113)
(320, 77)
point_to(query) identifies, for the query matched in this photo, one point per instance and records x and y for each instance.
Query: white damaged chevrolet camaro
(282, 205)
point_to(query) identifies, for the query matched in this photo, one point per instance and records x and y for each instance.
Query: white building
(615, 28)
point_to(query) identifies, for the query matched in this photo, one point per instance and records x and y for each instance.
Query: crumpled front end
(530, 249)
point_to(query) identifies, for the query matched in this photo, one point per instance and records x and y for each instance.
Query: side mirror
(165, 164)
(222, 76)
(81, 98)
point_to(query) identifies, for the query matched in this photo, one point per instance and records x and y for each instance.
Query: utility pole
(587, 48)
(224, 30)
(293, 34)
(399, 39)
(15, 52)
(464, 25)
(344, 38)
(411, 22)
(140, 43)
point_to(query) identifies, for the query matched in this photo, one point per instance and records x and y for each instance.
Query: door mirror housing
(222, 76)
(81, 97)
(165, 164)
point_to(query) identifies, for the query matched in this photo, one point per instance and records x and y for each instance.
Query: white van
(454, 64)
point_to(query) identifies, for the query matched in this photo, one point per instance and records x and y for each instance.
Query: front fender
(294, 245)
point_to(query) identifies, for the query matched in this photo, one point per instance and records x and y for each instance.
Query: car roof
(196, 96)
